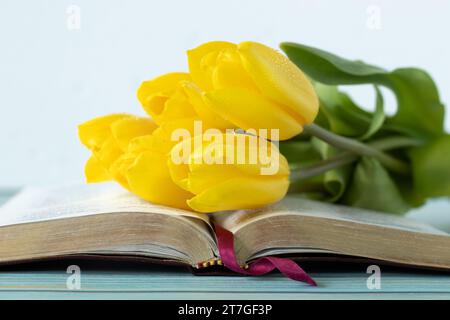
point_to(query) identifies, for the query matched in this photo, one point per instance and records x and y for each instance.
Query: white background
(53, 77)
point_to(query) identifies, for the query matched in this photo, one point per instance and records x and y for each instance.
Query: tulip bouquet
(248, 124)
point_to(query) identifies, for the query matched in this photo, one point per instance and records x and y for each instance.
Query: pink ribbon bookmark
(261, 266)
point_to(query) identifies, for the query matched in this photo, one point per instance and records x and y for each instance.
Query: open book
(103, 220)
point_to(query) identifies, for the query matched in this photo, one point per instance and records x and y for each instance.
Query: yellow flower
(148, 174)
(163, 99)
(229, 172)
(248, 86)
(253, 86)
(108, 138)
(132, 151)
(174, 96)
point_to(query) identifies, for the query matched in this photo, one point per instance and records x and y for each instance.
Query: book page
(294, 205)
(39, 204)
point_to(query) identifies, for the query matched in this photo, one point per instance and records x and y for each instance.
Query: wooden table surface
(154, 282)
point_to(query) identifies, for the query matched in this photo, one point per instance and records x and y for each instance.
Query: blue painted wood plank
(178, 284)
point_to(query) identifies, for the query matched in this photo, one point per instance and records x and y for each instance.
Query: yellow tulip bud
(253, 86)
(174, 97)
(108, 138)
(133, 151)
(149, 178)
(163, 98)
(229, 171)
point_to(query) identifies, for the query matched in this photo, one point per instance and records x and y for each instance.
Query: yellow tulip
(108, 138)
(229, 172)
(133, 151)
(163, 99)
(174, 96)
(148, 177)
(253, 86)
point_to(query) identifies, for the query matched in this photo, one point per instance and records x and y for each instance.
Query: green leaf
(419, 107)
(329, 68)
(372, 188)
(342, 115)
(431, 168)
(334, 181)
(378, 117)
(346, 118)
(419, 110)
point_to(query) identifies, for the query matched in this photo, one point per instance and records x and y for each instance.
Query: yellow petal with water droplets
(280, 79)
(249, 110)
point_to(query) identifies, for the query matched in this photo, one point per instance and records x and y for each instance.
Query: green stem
(395, 142)
(347, 157)
(337, 161)
(358, 148)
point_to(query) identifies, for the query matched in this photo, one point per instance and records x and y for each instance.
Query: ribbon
(261, 266)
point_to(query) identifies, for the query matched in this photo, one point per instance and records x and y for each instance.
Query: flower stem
(356, 147)
(323, 166)
(347, 157)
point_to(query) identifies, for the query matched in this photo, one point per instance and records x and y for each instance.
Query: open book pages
(38, 204)
(106, 220)
(296, 225)
(100, 219)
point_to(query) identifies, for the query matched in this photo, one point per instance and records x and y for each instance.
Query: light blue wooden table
(173, 283)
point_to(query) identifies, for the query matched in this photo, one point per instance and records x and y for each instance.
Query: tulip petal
(249, 110)
(276, 165)
(120, 167)
(209, 118)
(108, 153)
(179, 173)
(125, 129)
(172, 132)
(155, 106)
(255, 156)
(142, 143)
(279, 79)
(178, 162)
(230, 73)
(177, 107)
(199, 180)
(164, 85)
(149, 178)
(240, 193)
(248, 155)
(203, 59)
(155, 96)
(95, 172)
(95, 132)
